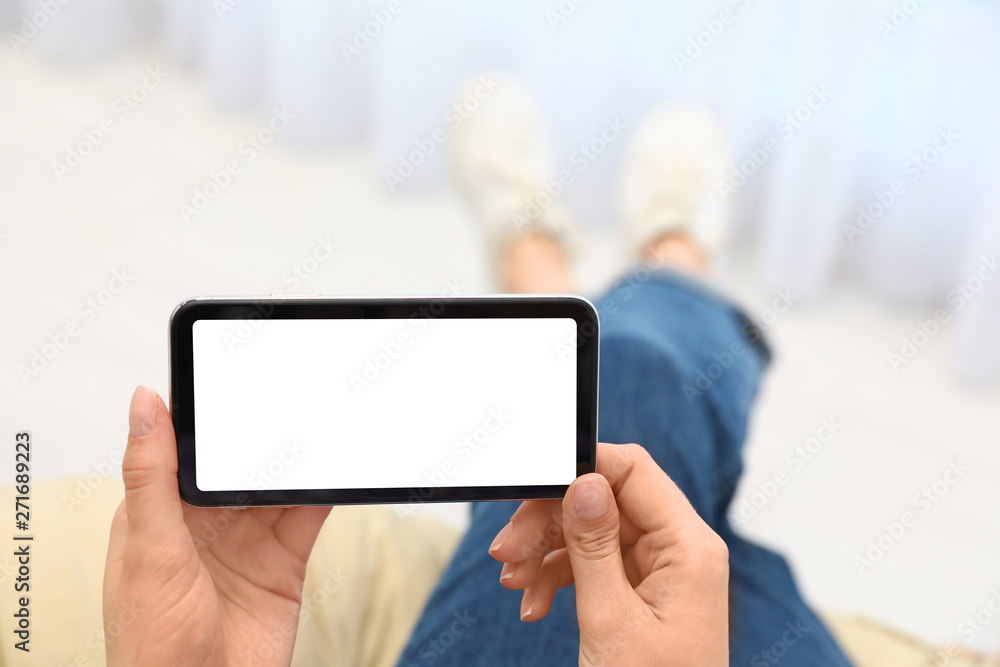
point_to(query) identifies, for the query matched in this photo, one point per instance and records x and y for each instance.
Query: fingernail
(142, 412)
(590, 497)
(508, 571)
(527, 603)
(500, 538)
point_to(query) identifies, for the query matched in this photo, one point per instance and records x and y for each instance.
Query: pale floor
(61, 243)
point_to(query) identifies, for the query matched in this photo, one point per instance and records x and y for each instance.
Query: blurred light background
(209, 146)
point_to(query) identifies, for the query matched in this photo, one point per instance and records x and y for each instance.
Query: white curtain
(891, 176)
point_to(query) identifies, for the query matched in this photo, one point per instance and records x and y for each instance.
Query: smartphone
(328, 401)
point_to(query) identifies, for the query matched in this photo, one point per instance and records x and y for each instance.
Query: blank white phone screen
(353, 404)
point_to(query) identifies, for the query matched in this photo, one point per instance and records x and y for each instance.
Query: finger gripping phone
(324, 401)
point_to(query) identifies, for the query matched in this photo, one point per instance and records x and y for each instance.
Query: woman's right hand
(652, 579)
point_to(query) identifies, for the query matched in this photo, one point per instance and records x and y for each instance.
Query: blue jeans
(679, 371)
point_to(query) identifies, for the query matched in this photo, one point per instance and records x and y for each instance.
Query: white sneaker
(671, 167)
(503, 163)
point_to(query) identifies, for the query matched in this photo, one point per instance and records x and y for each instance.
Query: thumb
(149, 466)
(591, 529)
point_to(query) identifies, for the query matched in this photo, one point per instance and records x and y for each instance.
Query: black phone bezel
(249, 308)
